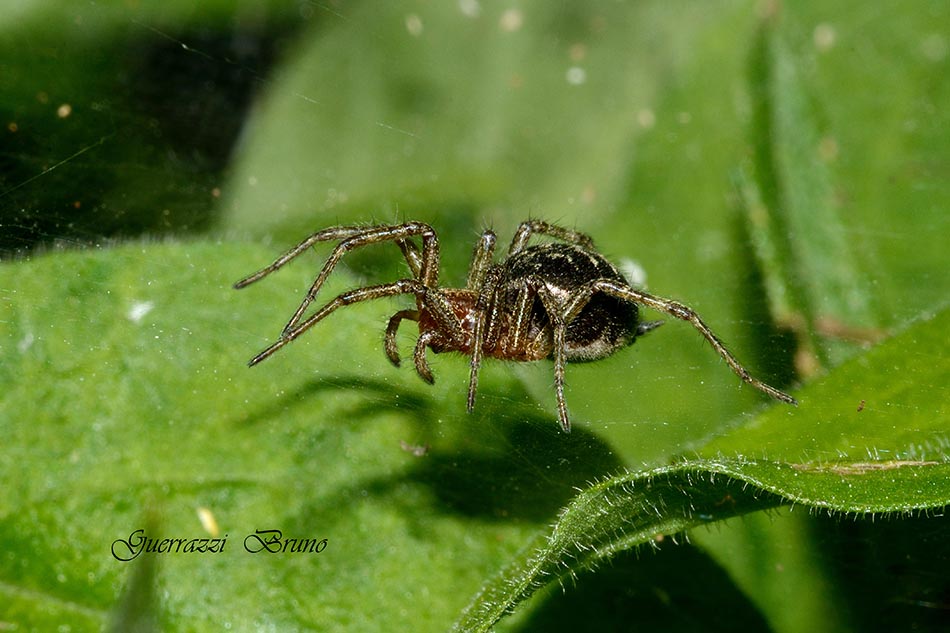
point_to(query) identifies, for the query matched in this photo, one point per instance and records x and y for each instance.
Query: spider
(560, 300)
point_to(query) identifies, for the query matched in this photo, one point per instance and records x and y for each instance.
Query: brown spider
(559, 300)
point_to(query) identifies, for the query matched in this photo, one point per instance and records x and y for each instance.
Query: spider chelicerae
(560, 300)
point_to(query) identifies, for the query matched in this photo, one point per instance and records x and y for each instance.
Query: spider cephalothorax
(560, 300)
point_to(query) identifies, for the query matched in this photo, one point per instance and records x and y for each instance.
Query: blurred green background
(781, 168)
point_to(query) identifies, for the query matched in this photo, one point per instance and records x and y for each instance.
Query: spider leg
(483, 279)
(428, 272)
(392, 351)
(403, 286)
(481, 260)
(486, 320)
(528, 228)
(413, 258)
(523, 302)
(680, 311)
(333, 233)
(354, 237)
(478, 335)
(559, 317)
(557, 313)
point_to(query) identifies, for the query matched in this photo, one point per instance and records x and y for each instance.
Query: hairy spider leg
(560, 316)
(332, 233)
(481, 259)
(411, 252)
(481, 271)
(524, 302)
(433, 300)
(680, 311)
(523, 305)
(482, 256)
(354, 237)
(559, 328)
(560, 319)
(529, 227)
(428, 270)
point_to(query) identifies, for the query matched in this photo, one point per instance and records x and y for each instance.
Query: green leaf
(889, 405)
(858, 462)
(467, 116)
(794, 218)
(127, 403)
(475, 120)
(627, 512)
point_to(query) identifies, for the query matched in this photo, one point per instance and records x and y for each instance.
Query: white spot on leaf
(414, 25)
(576, 75)
(635, 274)
(470, 8)
(26, 342)
(511, 20)
(138, 311)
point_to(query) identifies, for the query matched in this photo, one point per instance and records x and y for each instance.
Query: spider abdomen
(603, 325)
